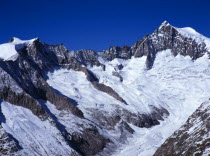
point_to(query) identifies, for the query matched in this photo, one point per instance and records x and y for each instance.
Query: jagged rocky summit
(60, 102)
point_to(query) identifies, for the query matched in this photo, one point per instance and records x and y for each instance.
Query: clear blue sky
(97, 24)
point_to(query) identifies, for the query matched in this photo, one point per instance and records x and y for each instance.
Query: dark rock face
(120, 66)
(102, 87)
(105, 119)
(172, 39)
(144, 120)
(192, 138)
(109, 121)
(86, 57)
(23, 100)
(7, 146)
(117, 75)
(118, 121)
(141, 47)
(116, 52)
(89, 142)
(11, 92)
(46, 56)
(126, 127)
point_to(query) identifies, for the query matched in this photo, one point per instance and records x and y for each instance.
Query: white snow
(67, 119)
(9, 51)
(75, 85)
(176, 83)
(35, 136)
(191, 33)
(182, 85)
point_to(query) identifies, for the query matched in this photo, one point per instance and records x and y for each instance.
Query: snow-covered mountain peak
(165, 23)
(193, 34)
(188, 32)
(9, 51)
(16, 40)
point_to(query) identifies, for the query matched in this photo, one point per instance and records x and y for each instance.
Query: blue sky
(97, 24)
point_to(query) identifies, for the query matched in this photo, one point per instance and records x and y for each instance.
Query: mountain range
(151, 98)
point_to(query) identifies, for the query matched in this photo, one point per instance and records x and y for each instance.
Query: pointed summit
(164, 24)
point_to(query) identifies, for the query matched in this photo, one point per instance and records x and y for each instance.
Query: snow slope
(74, 84)
(8, 51)
(193, 138)
(191, 33)
(36, 136)
(181, 84)
(176, 83)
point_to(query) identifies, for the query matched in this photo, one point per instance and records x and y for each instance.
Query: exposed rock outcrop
(117, 75)
(7, 146)
(192, 138)
(89, 142)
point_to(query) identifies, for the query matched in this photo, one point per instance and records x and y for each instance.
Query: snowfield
(36, 136)
(9, 51)
(191, 33)
(176, 83)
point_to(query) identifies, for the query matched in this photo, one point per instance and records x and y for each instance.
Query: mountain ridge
(92, 100)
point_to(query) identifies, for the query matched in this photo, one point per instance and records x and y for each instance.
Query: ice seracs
(9, 51)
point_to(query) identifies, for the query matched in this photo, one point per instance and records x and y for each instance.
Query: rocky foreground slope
(60, 102)
(193, 138)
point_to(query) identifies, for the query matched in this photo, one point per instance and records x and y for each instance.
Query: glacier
(122, 101)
